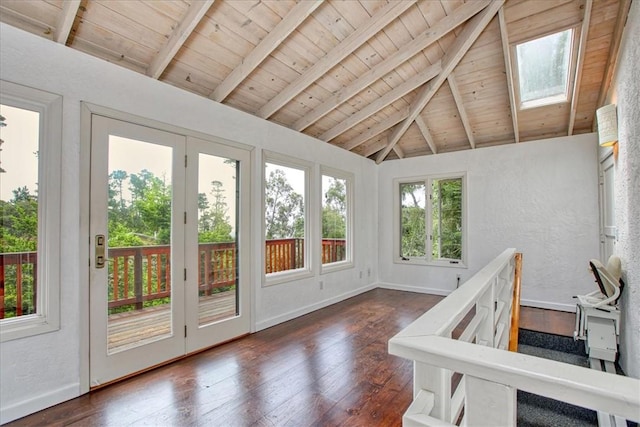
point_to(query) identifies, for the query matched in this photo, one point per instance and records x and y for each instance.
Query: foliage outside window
(30, 134)
(543, 69)
(336, 219)
(431, 220)
(285, 218)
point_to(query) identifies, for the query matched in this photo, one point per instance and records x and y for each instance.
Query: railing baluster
(19, 288)
(137, 277)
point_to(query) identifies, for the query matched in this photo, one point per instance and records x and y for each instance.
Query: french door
(169, 229)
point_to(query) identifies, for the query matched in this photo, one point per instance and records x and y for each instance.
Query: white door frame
(85, 246)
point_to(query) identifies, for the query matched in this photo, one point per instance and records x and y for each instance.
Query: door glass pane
(217, 239)
(139, 242)
(19, 137)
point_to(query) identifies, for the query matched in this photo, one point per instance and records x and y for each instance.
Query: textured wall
(626, 95)
(540, 197)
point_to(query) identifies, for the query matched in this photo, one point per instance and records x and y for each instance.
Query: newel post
(488, 403)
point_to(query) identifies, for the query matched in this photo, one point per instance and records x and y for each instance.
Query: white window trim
(307, 271)
(427, 260)
(350, 184)
(550, 100)
(47, 317)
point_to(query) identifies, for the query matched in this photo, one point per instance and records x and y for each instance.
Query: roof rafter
(180, 34)
(424, 129)
(386, 99)
(65, 23)
(356, 39)
(508, 67)
(274, 38)
(462, 44)
(430, 36)
(582, 48)
(375, 130)
(457, 99)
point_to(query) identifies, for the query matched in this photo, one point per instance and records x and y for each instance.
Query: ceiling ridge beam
(426, 39)
(463, 43)
(180, 34)
(377, 129)
(457, 99)
(506, 50)
(65, 23)
(582, 49)
(388, 98)
(424, 129)
(356, 39)
(294, 18)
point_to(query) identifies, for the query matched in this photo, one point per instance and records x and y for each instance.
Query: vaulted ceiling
(384, 79)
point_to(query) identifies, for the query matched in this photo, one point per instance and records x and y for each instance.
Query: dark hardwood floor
(328, 368)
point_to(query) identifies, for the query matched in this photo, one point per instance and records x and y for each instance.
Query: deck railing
(142, 275)
(468, 378)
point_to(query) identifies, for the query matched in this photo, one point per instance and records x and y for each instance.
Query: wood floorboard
(328, 368)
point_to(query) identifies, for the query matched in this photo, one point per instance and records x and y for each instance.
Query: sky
(18, 158)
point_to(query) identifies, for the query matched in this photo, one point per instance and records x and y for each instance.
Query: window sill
(336, 266)
(424, 262)
(26, 326)
(286, 276)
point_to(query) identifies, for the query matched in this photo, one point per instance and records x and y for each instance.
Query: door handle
(100, 243)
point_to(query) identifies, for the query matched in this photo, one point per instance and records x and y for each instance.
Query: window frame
(49, 106)
(270, 279)
(397, 221)
(349, 178)
(573, 58)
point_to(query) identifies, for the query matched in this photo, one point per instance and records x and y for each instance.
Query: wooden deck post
(137, 274)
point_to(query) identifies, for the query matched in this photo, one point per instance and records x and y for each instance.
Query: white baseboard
(571, 308)
(267, 323)
(444, 292)
(411, 288)
(38, 403)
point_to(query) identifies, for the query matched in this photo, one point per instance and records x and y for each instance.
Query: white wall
(539, 197)
(39, 371)
(626, 94)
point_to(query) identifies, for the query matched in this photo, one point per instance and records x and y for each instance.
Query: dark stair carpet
(538, 411)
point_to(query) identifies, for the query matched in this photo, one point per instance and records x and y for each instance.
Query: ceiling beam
(376, 130)
(180, 34)
(463, 43)
(457, 98)
(274, 38)
(506, 50)
(582, 48)
(356, 39)
(424, 129)
(430, 36)
(385, 100)
(616, 38)
(65, 22)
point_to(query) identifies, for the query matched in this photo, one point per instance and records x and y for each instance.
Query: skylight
(543, 69)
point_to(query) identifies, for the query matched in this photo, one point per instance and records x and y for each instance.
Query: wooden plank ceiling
(384, 79)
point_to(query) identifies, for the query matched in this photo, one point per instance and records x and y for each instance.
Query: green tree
(284, 208)
(334, 211)
(413, 220)
(214, 224)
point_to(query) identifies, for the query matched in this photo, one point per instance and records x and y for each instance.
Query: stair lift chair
(598, 314)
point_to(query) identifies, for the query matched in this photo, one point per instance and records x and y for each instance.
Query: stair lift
(598, 322)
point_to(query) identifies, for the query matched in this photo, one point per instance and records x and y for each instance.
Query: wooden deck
(134, 328)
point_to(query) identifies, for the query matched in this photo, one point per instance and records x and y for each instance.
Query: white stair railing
(467, 378)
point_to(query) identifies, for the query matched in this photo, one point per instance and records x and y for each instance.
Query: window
(336, 218)
(431, 220)
(543, 69)
(286, 188)
(30, 130)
